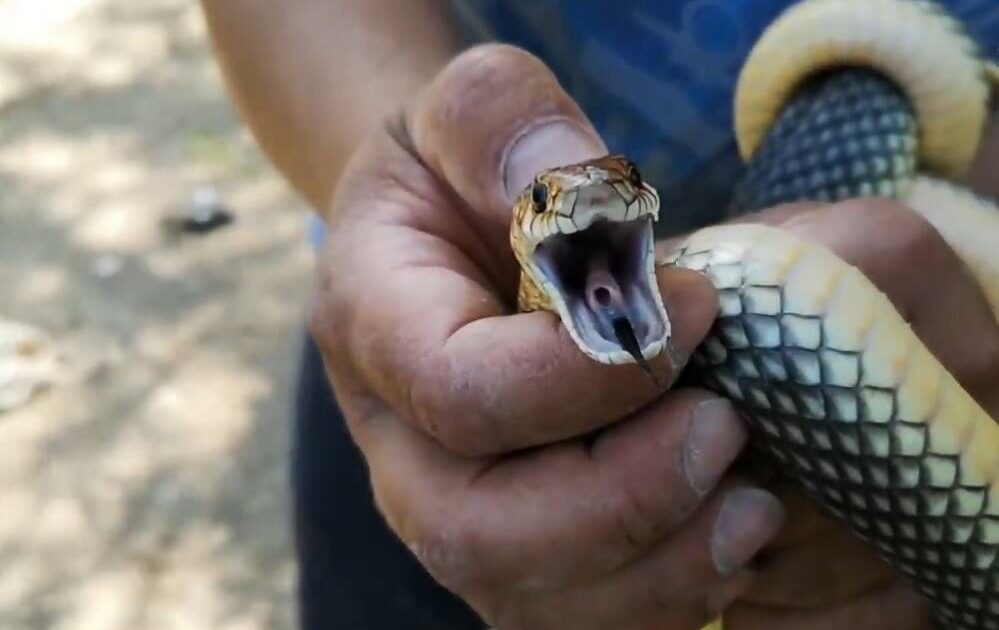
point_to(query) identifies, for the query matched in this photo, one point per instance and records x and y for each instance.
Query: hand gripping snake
(838, 99)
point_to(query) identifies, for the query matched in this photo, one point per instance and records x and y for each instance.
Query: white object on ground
(28, 363)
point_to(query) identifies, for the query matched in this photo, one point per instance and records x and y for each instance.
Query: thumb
(490, 120)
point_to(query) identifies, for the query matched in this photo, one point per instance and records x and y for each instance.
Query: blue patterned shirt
(656, 77)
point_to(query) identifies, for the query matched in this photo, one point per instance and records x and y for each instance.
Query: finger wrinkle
(379, 168)
(399, 191)
(447, 399)
(445, 555)
(423, 251)
(637, 527)
(645, 507)
(457, 231)
(394, 329)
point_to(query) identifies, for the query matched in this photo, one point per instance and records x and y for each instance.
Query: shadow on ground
(147, 487)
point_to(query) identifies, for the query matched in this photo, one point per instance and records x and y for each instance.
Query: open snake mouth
(602, 279)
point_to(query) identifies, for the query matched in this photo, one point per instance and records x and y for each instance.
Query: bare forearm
(311, 77)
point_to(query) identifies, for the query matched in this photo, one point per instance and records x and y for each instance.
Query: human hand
(816, 575)
(547, 490)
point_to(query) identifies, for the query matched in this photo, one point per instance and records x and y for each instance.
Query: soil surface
(146, 485)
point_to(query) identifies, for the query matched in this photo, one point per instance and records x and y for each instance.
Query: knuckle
(462, 434)
(463, 439)
(647, 513)
(430, 406)
(449, 554)
(640, 521)
(446, 407)
(635, 526)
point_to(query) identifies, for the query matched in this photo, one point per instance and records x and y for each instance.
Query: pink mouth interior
(602, 275)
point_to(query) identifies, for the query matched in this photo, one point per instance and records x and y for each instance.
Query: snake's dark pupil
(539, 196)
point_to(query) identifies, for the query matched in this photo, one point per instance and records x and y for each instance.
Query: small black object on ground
(206, 213)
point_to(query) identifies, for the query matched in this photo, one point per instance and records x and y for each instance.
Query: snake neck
(845, 133)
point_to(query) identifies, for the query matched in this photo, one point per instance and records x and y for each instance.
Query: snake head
(583, 235)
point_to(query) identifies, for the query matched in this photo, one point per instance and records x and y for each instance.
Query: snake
(836, 100)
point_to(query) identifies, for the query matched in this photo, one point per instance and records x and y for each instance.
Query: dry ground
(147, 487)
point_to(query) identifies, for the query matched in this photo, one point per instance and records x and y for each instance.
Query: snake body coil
(839, 99)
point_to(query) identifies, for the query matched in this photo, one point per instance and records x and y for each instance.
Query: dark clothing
(354, 573)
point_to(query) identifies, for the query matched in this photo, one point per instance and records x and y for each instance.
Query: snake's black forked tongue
(607, 303)
(626, 337)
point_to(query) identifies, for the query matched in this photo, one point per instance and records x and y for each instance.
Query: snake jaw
(587, 251)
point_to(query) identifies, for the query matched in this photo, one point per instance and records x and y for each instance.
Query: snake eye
(539, 197)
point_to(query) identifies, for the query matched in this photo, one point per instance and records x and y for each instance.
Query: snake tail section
(848, 133)
(915, 43)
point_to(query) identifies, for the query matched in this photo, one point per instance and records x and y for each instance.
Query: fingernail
(748, 520)
(544, 146)
(715, 438)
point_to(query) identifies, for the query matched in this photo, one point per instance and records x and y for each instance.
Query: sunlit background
(145, 373)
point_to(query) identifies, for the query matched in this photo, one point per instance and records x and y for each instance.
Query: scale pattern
(843, 135)
(806, 371)
(821, 379)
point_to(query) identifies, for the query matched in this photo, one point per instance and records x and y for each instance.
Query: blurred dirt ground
(146, 488)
